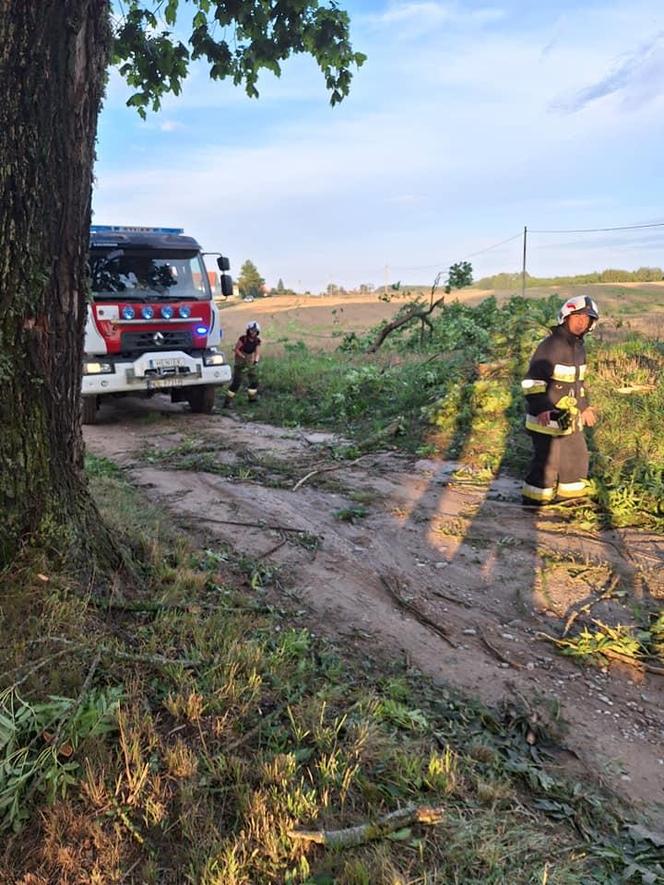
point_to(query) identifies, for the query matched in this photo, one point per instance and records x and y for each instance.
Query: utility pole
(385, 282)
(523, 270)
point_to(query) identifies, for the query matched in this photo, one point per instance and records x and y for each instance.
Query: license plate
(168, 363)
(158, 383)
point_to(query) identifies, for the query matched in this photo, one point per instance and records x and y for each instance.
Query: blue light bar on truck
(119, 229)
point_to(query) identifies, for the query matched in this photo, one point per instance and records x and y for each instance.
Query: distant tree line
(610, 275)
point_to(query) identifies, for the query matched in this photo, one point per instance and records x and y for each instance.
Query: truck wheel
(89, 410)
(201, 399)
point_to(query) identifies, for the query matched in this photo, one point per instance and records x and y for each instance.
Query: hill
(322, 321)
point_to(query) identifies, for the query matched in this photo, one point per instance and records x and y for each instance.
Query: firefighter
(247, 355)
(558, 407)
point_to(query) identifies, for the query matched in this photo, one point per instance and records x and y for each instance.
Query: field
(334, 609)
(321, 321)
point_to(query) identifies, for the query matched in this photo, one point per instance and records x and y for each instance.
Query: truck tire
(89, 410)
(201, 398)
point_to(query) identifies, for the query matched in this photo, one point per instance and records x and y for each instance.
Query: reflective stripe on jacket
(555, 383)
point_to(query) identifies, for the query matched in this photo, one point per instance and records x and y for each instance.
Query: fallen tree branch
(142, 607)
(498, 654)
(35, 667)
(159, 660)
(649, 668)
(273, 549)
(453, 599)
(554, 529)
(329, 469)
(412, 610)
(190, 608)
(256, 525)
(593, 602)
(639, 663)
(79, 700)
(55, 740)
(417, 312)
(635, 388)
(229, 746)
(351, 837)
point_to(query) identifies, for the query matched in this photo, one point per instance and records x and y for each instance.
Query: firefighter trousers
(559, 467)
(239, 370)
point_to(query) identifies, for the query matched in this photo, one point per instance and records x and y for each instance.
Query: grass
(351, 514)
(642, 644)
(196, 453)
(310, 388)
(459, 397)
(627, 448)
(196, 720)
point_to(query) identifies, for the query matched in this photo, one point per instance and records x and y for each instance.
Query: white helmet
(253, 326)
(579, 304)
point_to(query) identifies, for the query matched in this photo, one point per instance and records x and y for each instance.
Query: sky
(468, 121)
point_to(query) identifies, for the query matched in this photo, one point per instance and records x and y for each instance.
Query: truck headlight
(97, 368)
(214, 358)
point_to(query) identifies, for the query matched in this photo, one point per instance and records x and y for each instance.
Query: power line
(416, 266)
(495, 246)
(465, 258)
(596, 230)
(580, 230)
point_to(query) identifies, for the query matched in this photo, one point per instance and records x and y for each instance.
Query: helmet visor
(589, 308)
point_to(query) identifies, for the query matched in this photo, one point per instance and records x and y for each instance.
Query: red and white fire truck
(152, 325)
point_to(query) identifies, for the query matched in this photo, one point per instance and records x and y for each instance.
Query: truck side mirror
(226, 285)
(223, 263)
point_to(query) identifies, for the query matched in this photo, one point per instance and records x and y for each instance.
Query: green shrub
(455, 391)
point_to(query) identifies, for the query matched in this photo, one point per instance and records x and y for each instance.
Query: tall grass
(455, 391)
(627, 444)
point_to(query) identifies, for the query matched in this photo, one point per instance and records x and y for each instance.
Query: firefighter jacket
(555, 383)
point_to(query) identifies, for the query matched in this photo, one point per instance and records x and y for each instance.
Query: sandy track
(490, 576)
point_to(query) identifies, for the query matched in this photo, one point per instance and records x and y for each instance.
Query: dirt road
(458, 579)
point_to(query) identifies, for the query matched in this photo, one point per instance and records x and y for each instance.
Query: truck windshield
(146, 275)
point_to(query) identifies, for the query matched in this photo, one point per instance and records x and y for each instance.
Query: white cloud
(639, 72)
(420, 12)
(171, 126)
(429, 13)
(444, 146)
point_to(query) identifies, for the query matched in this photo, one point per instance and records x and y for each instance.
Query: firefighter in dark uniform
(558, 407)
(247, 354)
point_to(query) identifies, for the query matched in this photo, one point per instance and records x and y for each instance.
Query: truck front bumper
(151, 372)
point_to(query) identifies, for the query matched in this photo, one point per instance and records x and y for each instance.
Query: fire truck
(152, 325)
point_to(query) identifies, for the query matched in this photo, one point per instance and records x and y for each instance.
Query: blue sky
(468, 121)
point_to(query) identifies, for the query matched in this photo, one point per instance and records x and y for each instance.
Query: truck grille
(170, 339)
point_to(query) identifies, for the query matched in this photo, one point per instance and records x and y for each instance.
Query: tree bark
(53, 59)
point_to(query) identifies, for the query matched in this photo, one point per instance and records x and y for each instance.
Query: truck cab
(152, 323)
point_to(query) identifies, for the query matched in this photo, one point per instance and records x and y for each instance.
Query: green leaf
(642, 834)
(171, 11)
(263, 35)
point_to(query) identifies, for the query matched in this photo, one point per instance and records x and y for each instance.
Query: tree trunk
(53, 59)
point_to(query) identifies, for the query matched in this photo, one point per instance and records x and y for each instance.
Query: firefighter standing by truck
(247, 355)
(558, 407)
